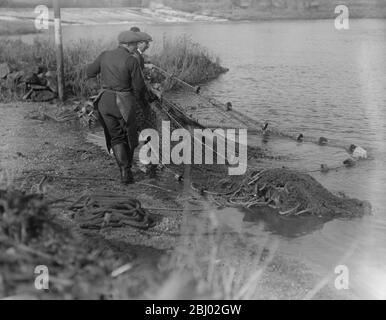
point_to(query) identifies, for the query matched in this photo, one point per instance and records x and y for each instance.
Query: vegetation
(187, 60)
(180, 56)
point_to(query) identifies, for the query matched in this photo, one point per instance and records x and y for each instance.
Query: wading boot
(122, 155)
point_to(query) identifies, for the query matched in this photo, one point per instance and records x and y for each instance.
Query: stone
(349, 163)
(323, 141)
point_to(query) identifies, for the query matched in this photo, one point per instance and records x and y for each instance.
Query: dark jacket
(120, 71)
(140, 58)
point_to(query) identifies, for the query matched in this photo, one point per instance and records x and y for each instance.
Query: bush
(188, 60)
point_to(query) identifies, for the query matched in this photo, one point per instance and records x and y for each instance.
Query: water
(305, 76)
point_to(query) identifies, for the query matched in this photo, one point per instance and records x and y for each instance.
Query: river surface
(306, 77)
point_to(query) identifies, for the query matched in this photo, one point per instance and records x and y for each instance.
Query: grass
(188, 60)
(21, 55)
(180, 56)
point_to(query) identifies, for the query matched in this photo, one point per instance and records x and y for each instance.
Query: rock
(5, 70)
(349, 163)
(359, 153)
(324, 168)
(300, 137)
(323, 141)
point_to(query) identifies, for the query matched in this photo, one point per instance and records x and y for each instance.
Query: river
(306, 77)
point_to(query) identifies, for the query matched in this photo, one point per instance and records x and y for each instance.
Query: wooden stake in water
(59, 49)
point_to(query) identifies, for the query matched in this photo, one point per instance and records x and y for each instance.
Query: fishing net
(289, 192)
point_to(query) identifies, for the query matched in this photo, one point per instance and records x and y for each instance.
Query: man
(142, 46)
(143, 112)
(122, 86)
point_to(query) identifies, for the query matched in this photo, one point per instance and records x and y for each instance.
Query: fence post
(59, 49)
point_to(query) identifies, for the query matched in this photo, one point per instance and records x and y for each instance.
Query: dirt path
(31, 148)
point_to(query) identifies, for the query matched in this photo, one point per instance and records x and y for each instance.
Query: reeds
(187, 60)
(181, 56)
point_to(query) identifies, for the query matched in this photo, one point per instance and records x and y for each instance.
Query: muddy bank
(176, 249)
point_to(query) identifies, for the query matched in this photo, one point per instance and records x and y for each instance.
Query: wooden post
(59, 49)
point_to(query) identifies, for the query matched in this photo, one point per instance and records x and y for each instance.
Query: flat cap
(145, 36)
(129, 37)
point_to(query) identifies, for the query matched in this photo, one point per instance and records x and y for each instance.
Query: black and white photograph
(217, 151)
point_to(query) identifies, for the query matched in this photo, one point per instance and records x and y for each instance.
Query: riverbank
(102, 16)
(21, 20)
(239, 10)
(32, 147)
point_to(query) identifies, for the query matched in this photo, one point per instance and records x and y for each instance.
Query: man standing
(143, 112)
(122, 86)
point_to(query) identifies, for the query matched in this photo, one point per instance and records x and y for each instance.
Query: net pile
(289, 192)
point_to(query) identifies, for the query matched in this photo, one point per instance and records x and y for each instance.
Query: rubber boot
(122, 155)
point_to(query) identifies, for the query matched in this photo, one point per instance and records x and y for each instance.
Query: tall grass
(21, 56)
(181, 56)
(188, 60)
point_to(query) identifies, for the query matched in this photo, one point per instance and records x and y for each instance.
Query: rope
(102, 210)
